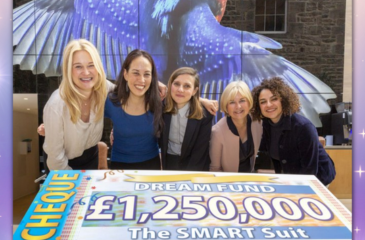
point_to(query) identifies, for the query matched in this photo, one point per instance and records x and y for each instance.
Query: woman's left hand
(162, 89)
(111, 137)
(210, 105)
(41, 131)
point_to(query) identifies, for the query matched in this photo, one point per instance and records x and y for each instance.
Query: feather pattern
(176, 32)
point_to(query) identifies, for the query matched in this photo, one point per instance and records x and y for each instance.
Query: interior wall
(347, 74)
(25, 167)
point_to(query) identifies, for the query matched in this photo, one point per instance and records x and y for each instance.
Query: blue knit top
(134, 139)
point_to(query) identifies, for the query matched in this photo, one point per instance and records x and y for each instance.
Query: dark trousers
(45, 156)
(151, 164)
(87, 161)
(172, 162)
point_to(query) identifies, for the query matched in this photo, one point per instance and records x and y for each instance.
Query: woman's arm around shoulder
(109, 86)
(210, 105)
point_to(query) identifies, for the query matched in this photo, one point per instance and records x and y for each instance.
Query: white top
(177, 130)
(65, 140)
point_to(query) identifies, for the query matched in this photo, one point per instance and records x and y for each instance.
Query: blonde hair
(196, 110)
(231, 91)
(69, 92)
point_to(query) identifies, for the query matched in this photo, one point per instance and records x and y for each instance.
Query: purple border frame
(6, 89)
(358, 153)
(6, 119)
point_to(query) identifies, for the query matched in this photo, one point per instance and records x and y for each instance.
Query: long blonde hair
(69, 92)
(196, 110)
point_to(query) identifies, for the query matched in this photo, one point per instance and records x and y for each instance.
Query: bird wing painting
(176, 32)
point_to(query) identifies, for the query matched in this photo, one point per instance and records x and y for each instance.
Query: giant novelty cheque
(183, 205)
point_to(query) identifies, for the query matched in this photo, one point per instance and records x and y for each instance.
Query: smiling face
(182, 89)
(238, 108)
(84, 73)
(139, 76)
(270, 105)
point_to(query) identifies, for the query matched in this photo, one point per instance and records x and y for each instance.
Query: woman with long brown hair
(185, 139)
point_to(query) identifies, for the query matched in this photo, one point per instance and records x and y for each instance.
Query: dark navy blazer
(300, 151)
(195, 146)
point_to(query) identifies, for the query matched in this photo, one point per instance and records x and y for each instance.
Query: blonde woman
(185, 139)
(235, 138)
(73, 116)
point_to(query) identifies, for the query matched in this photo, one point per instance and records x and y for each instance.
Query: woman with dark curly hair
(291, 139)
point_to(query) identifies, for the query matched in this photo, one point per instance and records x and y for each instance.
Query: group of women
(267, 120)
(181, 125)
(73, 116)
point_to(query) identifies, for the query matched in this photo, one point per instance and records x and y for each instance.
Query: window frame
(265, 15)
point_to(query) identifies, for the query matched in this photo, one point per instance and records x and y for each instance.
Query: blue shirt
(134, 139)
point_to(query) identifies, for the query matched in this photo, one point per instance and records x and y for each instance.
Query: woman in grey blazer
(236, 138)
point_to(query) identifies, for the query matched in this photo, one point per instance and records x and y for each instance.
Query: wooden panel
(341, 187)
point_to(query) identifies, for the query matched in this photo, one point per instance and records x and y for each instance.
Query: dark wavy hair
(289, 99)
(152, 98)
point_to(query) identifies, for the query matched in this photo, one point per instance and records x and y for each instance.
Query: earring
(126, 87)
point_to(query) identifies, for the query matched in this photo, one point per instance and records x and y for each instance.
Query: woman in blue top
(136, 111)
(290, 138)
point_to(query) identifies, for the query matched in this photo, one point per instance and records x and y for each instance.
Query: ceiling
(25, 103)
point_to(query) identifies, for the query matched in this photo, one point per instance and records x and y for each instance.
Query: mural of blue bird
(176, 32)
